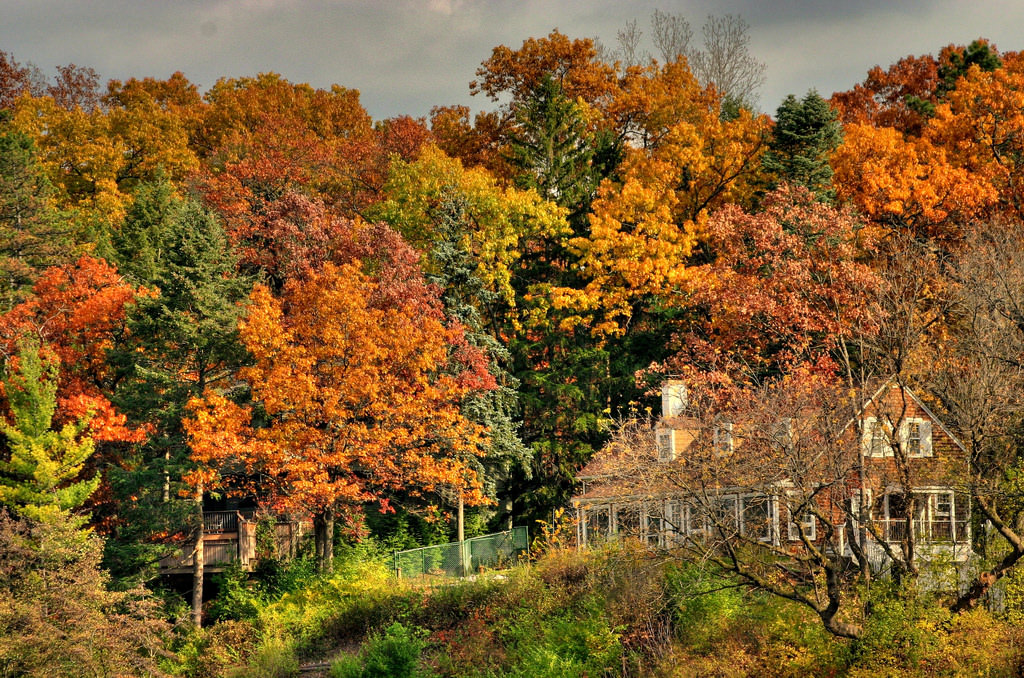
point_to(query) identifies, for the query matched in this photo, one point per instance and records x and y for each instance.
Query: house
(875, 474)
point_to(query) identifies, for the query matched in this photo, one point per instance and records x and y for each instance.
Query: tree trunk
(508, 513)
(323, 536)
(198, 565)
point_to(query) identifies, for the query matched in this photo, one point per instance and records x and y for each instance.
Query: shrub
(394, 654)
(237, 597)
(273, 659)
(577, 642)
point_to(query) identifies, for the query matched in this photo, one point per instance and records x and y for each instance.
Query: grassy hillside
(618, 611)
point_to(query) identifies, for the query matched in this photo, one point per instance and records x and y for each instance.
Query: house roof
(617, 468)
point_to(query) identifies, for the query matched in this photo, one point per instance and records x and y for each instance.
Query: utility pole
(463, 560)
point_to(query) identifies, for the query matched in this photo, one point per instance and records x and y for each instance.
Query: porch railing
(895, 530)
(219, 522)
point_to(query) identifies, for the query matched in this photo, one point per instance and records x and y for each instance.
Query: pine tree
(805, 134)
(564, 372)
(32, 234)
(38, 475)
(181, 340)
(140, 245)
(553, 149)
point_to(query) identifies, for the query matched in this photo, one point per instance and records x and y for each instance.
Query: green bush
(578, 642)
(703, 610)
(237, 597)
(277, 577)
(394, 654)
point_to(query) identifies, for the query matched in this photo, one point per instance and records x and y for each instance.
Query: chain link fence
(458, 559)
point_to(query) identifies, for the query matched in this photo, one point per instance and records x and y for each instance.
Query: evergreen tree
(805, 134)
(38, 474)
(554, 150)
(182, 340)
(141, 244)
(567, 385)
(32, 234)
(465, 296)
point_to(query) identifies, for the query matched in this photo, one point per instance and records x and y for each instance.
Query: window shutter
(926, 438)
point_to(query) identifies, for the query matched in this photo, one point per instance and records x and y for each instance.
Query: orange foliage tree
(645, 227)
(265, 136)
(896, 97)
(906, 183)
(360, 395)
(932, 143)
(981, 125)
(79, 311)
(574, 65)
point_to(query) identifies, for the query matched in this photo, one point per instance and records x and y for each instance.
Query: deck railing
(895, 530)
(219, 522)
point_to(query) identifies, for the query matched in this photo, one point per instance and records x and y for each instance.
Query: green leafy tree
(563, 371)
(805, 134)
(39, 476)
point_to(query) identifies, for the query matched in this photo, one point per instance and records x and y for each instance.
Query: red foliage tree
(79, 311)
(787, 287)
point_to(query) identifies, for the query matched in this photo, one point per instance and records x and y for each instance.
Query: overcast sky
(405, 56)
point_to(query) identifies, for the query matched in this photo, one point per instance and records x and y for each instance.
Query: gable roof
(888, 383)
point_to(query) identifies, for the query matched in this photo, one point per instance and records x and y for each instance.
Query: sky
(406, 56)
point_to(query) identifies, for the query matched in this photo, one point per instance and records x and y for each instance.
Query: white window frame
(782, 433)
(924, 439)
(873, 426)
(809, 523)
(712, 528)
(772, 515)
(928, 512)
(589, 509)
(925, 517)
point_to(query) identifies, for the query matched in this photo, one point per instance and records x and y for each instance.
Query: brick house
(684, 480)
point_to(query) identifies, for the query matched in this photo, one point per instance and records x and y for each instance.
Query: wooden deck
(230, 536)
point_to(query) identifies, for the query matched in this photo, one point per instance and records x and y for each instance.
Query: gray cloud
(408, 55)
